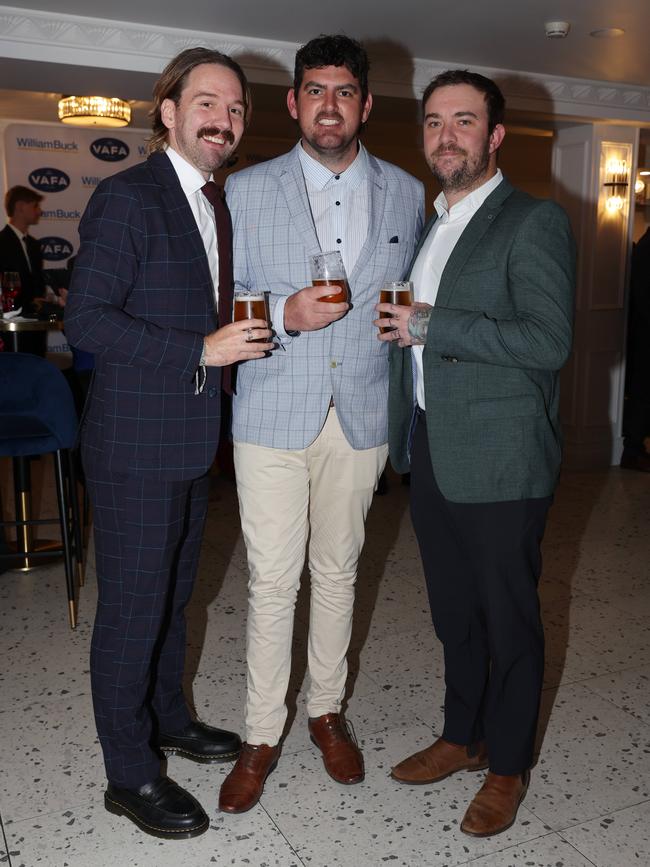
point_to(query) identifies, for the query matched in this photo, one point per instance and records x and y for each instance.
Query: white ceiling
(504, 34)
(497, 34)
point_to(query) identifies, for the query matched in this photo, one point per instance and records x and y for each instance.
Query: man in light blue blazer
(310, 423)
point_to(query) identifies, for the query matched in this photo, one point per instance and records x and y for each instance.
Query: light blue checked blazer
(282, 401)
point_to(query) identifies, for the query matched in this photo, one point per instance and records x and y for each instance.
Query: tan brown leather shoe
(341, 755)
(494, 807)
(438, 761)
(244, 785)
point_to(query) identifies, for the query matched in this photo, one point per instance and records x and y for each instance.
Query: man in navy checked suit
(143, 300)
(310, 422)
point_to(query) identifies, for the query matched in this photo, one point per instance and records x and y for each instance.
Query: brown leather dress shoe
(244, 785)
(494, 807)
(341, 755)
(438, 761)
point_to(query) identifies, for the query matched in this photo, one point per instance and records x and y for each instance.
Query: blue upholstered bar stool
(37, 417)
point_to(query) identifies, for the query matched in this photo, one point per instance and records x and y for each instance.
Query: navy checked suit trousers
(147, 539)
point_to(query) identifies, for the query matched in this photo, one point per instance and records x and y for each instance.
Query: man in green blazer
(474, 416)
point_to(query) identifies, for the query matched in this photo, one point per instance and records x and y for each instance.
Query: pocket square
(394, 240)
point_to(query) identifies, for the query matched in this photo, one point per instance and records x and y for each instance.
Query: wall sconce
(616, 184)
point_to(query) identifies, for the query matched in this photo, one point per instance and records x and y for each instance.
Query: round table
(25, 335)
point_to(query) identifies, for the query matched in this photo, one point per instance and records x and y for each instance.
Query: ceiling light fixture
(94, 111)
(607, 33)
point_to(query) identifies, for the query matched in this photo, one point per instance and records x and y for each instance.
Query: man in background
(20, 252)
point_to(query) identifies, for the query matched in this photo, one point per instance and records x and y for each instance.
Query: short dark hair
(172, 81)
(496, 104)
(333, 51)
(20, 194)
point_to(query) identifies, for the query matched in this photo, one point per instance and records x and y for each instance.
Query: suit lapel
(471, 236)
(425, 234)
(377, 192)
(293, 186)
(175, 201)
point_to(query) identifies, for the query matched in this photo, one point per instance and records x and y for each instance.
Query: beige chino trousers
(284, 496)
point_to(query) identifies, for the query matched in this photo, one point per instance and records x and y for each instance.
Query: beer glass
(400, 292)
(249, 304)
(327, 269)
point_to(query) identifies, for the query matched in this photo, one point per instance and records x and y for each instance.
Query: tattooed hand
(406, 326)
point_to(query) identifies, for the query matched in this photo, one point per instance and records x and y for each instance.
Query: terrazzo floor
(589, 799)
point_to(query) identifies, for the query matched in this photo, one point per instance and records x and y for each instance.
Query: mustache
(227, 134)
(448, 149)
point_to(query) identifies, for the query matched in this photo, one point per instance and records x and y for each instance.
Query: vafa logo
(49, 180)
(111, 150)
(55, 249)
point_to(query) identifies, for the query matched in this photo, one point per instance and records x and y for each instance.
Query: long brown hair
(172, 81)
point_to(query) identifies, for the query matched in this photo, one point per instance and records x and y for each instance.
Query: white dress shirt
(436, 250)
(191, 180)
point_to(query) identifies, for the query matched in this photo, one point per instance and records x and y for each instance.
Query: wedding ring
(249, 335)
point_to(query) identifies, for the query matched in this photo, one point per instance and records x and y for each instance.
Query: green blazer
(499, 332)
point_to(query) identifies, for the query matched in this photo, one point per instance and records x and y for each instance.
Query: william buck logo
(48, 180)
(110, 150)
(55, 249)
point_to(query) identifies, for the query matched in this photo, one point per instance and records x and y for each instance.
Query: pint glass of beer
(327, 269)
(395, 293)
(249, 304)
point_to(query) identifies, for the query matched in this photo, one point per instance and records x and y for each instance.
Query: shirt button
(332, 364)
(337, 203)
(338, 240)
(212, 392)
(337, 177)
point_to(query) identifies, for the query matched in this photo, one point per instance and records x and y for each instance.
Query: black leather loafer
(161, 809)
(202, 743)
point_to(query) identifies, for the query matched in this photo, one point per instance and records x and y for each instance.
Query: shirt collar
(190, 178)
(319, 176)
(471, 202)
(20, 235)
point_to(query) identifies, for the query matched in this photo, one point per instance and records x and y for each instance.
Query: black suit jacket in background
(12, 258)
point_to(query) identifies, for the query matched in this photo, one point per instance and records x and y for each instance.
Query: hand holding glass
(400, 292)
(327, 269)
(251, 305)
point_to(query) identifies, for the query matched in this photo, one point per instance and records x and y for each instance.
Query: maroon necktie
(214, 194)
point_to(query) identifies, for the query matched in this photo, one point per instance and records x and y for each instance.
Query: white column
(593, 380)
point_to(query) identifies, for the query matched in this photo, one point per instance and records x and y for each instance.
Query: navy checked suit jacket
(282, 401)
(141, 300)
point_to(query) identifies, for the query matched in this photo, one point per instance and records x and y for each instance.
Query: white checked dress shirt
(339, 205)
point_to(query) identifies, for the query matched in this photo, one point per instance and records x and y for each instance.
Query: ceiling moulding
(95, 42)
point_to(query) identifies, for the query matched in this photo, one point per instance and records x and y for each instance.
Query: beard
(464, 176)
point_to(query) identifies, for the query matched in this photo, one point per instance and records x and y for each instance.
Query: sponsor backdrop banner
(65, 164)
